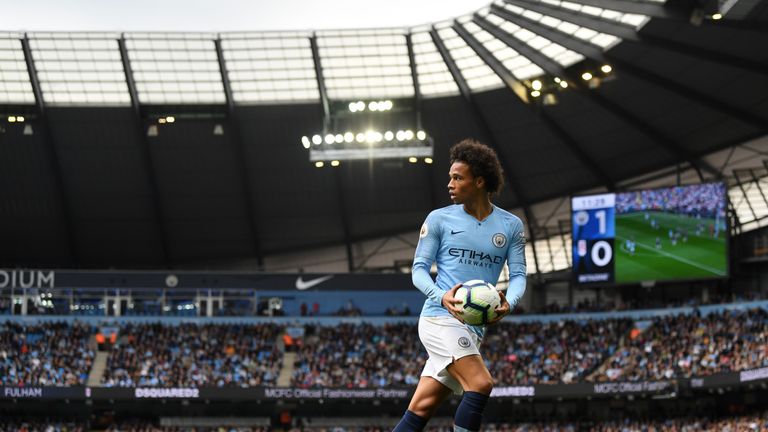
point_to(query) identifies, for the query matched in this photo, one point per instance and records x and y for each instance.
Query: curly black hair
(482, 161)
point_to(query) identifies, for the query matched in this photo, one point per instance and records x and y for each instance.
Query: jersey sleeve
(516, 263)
(426, 254)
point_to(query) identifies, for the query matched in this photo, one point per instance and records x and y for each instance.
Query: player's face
(462, 186)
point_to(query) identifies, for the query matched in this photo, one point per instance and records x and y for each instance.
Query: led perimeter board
(673, 233)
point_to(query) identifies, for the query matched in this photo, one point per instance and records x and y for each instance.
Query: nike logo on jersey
(456, 232)
(302, 285)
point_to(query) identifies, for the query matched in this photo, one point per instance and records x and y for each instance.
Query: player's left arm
(516, 264)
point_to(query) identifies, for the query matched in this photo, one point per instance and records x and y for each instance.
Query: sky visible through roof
(226, 15)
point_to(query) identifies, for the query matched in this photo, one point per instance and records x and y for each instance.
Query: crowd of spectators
(705, 200)
(359, 356)
(45, 354)
(147, 426)
(231, 355)
(364, 355)
(682, 346)
(41, 425)
(550, 353)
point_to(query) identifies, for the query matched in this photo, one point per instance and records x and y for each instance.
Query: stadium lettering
(23, 392)
(754, 374)
(26, 279)
(348, 394)
(475, 255)
(625, 387)
(291, 393)
(391, 393)
(518, 391)
(157, 393)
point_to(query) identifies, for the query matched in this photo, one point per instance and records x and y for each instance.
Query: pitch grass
(701, 256)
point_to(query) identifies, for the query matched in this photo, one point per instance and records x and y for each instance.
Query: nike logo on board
(302, 285)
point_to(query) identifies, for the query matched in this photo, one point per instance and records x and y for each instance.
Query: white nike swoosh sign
(302, 285)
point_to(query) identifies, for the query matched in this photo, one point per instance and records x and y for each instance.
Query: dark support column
(246, 177)
(417, 98)
(324, 101)
(54, 161)
(146, 154)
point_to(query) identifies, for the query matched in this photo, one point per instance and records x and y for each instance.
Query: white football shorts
(446, 339)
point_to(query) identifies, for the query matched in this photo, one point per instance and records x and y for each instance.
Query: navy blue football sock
(411, 423)
(469, 415)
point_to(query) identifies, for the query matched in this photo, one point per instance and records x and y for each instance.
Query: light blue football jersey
(464, 249)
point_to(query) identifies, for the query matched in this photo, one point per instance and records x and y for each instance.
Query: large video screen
(650, 235)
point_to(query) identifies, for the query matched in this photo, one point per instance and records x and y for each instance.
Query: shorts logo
(499, 240)
(464, 342)
(424, 231)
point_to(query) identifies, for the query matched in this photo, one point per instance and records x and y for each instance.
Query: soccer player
(469, 240)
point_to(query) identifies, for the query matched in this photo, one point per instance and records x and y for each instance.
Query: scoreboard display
(650, 235)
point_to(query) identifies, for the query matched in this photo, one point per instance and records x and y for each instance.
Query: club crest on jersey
(464, 342)
(424, 231)
(499, 240)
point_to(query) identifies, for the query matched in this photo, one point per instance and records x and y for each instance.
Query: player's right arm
(426, 254)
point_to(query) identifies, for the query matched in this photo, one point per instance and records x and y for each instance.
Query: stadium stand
(45, 354)
(193, 355)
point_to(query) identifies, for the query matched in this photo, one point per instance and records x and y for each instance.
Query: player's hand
(501, 311)
(450, 301)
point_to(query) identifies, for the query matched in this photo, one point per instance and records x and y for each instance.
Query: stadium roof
(90, 180)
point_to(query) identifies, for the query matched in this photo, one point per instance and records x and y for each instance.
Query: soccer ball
(479, 299)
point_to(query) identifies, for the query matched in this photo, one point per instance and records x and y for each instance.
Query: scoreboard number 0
(603, 248)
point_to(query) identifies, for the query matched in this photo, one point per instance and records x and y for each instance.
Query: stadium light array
(373, 106)
(606, 69)
(16, 119)
(717, 16)
(586, 76)
(368, 144)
